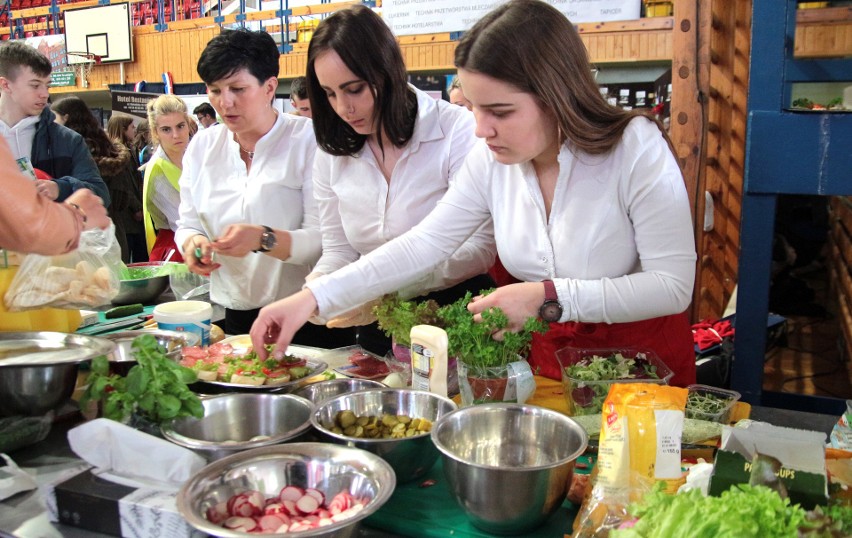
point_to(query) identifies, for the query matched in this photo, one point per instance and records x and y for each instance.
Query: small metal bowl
(241, 421)
(323, 390)
(508, 466)
(38, 370)
(142, 290)
(410, 457)
(329, 468)
(122, 359)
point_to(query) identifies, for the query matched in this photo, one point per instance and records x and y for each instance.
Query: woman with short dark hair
(247, 215)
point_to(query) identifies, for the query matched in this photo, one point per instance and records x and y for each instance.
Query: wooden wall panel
(729, 42)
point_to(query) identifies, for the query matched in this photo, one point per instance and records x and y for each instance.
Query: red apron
(669, 336)
(162, 245)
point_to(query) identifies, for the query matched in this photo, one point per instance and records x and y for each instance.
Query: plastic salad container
(587, 374)
(710, 403)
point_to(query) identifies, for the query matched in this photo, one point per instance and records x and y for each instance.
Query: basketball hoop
(82, 62)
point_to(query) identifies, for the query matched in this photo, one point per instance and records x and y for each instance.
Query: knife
(209, 231)
(134, 322)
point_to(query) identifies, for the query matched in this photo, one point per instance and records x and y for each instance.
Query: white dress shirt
(215, 191)
(618, 244)
(360, 211)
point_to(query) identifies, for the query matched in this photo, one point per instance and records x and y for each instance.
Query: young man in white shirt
(27, 124)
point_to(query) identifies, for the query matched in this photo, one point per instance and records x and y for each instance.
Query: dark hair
(81, 120)
(117, 127)
(299, 88)
(15, 55)
(546, 58)
(205, 109)
(368, 48)
(233, 50)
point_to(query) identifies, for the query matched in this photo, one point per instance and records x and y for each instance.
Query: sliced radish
(271, 522)
(290, 507)
(325, 522)
(307, 504)
(296, 527)
(316, 494)
(241, 524)
(323, 513)
(291, 493)
(275, 508)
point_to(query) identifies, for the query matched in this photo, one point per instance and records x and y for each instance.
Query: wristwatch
(268, 240)
(550, 310)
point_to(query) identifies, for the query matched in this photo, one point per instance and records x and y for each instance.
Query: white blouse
(360, 211)
(618, 244)
(215, 191)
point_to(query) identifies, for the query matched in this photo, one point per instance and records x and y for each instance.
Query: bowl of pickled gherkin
(394, 424)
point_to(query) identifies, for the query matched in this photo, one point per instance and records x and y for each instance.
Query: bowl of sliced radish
(392, 423)
(298, 489)
(241, 421)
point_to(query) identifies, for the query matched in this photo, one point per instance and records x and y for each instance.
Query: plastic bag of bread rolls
(85, 278)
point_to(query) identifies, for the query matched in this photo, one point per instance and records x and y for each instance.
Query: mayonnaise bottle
(429, 359)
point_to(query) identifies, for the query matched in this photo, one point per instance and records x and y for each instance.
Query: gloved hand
(362, 315)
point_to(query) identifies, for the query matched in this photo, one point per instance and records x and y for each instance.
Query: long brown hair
(368, 48)
(117, 128)
(534, 47)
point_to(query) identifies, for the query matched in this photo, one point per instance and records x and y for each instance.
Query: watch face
(268, 240)
(550, 311)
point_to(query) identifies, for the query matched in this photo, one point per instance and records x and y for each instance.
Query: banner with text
(407, 17)
(131, 103)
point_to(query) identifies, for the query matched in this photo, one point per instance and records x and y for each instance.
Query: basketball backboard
(100, 30)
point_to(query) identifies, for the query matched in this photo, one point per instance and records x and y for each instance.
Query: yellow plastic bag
(641, 430)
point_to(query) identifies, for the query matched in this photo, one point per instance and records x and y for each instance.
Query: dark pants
(240, 321)
(138, 248)
(373, 339)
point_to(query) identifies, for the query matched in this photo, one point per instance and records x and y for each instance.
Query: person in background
(389, 153)
(246, 195)
(299, 97)
(115, 163)
(142, 143)
(206, 115)
(589, 206)
(30, 223)
(121, 130)
(170, 130)
(26, 123)
(457, 95)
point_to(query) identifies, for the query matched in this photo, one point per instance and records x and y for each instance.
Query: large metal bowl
(326, 467)
(508, 465)
(323, 390)
(142, 290)
(233, 422)
(122, 359)
(38, 370)
(410, 457)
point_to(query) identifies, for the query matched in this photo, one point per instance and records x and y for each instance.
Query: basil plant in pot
(489, 370)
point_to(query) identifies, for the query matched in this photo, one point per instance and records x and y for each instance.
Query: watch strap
(550, 291)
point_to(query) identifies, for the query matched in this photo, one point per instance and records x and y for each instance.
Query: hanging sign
(407, 17)
(63, 78)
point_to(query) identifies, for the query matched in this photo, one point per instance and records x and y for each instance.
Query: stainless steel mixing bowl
(508, 465)
(142, 290)
(326, 467)
(122, 359)
(323, 390)
(240, 421)
(38, 370)
(410, 457)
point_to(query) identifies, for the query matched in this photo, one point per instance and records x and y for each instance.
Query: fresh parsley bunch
(473, 342)
(155, 388)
